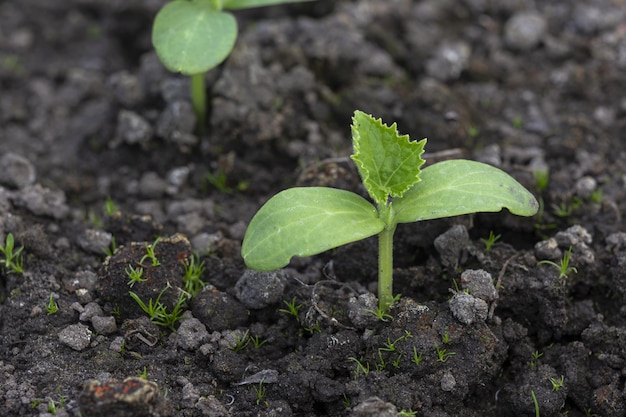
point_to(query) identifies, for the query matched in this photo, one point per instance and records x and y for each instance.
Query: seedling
(241, 342)
(535, 357)
(493, 238)
(360, 367)
(260, 392)
(12, 261)
(292, 309)
(563, 266)
(535, 403)
(408, 413)
(150, 247)
(417, 357)
(193, 272)
(110, 207)
(557, 383)
(310, 220)
(194, 36)
(134, 275)
(256, 342)
(442, 354)
(157, 311)
(52, 307)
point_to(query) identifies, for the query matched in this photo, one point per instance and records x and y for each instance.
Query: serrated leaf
(247, 4)
(191, 37)
(389, 163)
(306, 221)
(452, 188)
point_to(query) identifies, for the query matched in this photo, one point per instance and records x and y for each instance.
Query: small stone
(468, 309)
(585, 187)
(191, 334)
(259, 289)
(16, 171)
(117, 344)
(76, 336)
(132, 129)
(451, 244)
(525, 30)
(151, 185)
(134, 396)
(104, 325)
(43, 201)
(95, 241)
(448, 382)
(548, 249)
(449, 61)
(479, 283)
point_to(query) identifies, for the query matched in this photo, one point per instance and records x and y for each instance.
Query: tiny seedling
(493, 238)
(442, 354)
(193, 272)
(109, 207)
(260, 392)
(12, 261)
(157, 311)
(111, 249)
(305, 221)
(563, 266)
(241, 342)
(143, 373)
(417, 357)
(408, 413)
(134, 275)
(52, 307)
(360, 367)
(557, 383)
(150, 254)
(194, 36)
(535, 403)
(292, 309)
(535, 357)
(256, 342)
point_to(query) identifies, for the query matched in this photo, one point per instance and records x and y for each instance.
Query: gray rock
(548, 249)
(468, 309)
(89, 311)
(104, 325)
(42, 201)
(16, 171)
(132, 129)
(218, 310)
(525, 30)
(259, 289)
(479, 283)
(451, 244)
(94, 241)
(374, 407)
(126, 88)
(151, 185)
(76, 336)
(448, 382)
(450, 59)
(191, 334)
(177, 122)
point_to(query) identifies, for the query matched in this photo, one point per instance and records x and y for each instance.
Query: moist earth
(101, 165)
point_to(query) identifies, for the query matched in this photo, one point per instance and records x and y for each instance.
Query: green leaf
(389, 164)
(452, 188)
(192, 37)
(247, 4)
(306, 221)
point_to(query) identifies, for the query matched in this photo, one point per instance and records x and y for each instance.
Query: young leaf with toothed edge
(308, 221)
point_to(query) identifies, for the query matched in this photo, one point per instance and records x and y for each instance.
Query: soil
(99, 153)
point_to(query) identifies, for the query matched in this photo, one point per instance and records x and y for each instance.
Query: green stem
(198, 100)
(385, 259)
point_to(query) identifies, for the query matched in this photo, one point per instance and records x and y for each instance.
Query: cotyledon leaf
(305, 221)
(389, 163)
(246, 4)
(191, 37)
(455, 187)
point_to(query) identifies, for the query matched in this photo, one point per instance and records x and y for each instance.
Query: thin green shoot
(134, 275)
(360, 367)
(194, 268)
(241, 342)
(442, 354)
(150, 253)
(417, 357)
(292, 309)
(536, 404)
(563, 266)
(260, 391)
(493, 238)
(557, 383)
(51, 307)
(13, 261)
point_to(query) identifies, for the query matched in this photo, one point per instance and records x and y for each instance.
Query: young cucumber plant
(305, 221)
(194, 36)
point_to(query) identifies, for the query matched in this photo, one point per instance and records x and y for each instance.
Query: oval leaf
(247, 4)
(191, 37)
(306, 221)
(452, 188)
(389, 163)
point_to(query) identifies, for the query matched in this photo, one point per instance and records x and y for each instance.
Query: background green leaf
(389, 164)
(306, 221)
(452, 188)
(246, 4)
(192, 37)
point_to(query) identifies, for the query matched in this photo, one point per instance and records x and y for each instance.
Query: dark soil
(88, 116)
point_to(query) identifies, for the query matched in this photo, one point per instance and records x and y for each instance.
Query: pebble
(192, 334)
(479, 283)
(94, 241)
(586, 186)
(126, 88)
(89, 311)
(151, 185)
(42, 201)
(525, 30)
(16, 171)
(132, 129)
(259, 289)
(468, 309)
(76, 336)
(449, 61)
(104, 325)
(448, 382)
(548, 249)
(451, 244)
